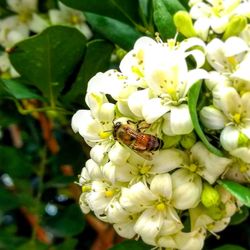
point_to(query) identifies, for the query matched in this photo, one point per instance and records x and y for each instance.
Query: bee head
(117, 125)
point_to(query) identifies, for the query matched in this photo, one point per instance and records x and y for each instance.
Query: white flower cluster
(148, 173)
(26, 20)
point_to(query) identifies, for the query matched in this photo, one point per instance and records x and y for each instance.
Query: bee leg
(142, 125)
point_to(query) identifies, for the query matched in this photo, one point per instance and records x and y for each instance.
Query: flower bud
(235, 26)
(187, 141)
(242, 140)
(184, 24)
(210, 196)
(186, 189)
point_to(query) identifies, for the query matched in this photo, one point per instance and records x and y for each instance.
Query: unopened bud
(242, 140)
(235, 26)
(187, 141)
(184, 24)
(210, 196)
(171, 141)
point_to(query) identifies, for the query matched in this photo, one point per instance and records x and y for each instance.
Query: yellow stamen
(104, 134)
(144, 169)
(109, 193)
(160, 207)
(75, 19)
(243, 168)
(193, 167)
(86, 189)
(237, 118)
(137, 71)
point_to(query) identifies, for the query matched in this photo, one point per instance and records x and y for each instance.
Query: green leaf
(48, 59)
(68, 244)
(68, 222)
(96, 59)
(163, 20)
(124, 11)
(60, 181)
(13, 88)
(8, 200)
(14, 163)
(193, 96)
(240, 216)
(185, 3)
(119, 33)
(240, 192)
(173, 6)
(229, 247)
(131, 244)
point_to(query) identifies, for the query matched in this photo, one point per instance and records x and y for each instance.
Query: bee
(141, 143)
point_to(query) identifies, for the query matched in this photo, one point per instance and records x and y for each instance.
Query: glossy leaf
(48, 59)
(14, 163)
(240, 216)
(242, 193)
(173, 6)
(67, 223)
(131, 244)
(125, 11)
(96, 59)
(163, 20)
(193, 96)
(8, 200)
(117, 32)
(229, 247)
(17, 90)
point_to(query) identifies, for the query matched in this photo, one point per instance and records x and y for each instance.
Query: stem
(43, 109)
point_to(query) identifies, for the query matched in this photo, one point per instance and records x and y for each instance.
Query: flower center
(104, 134)
(144, 169)
(193, 167)
(160, 206)
(236, 118)
(109, 193)
(75, 19)
(86, 188)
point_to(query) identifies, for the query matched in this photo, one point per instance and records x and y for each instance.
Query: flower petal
(162, 185)
(153, 109)
(180, 120)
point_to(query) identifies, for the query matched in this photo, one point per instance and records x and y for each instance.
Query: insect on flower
(141, 143)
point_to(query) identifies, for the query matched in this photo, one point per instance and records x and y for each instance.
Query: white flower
(168, 79)
(12, 31)
(89, 173)
(95, 125)
(225, 57)
(102, 195)
(215, 14)
(215, 218)
(17, 27)
(154, 206)
(123, 221)
(204, 163)
(71, 17)
(133, 168)
(231, 114)
(6, 69)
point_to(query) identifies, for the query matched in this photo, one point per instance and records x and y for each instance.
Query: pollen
(109, 193)
(137, 71)
(232, 61)
(237, 118)
(243, 168)
(104, 134)
(74, 19)
(144, 169)
(193, 167)
(86, 188)
(161, 206)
